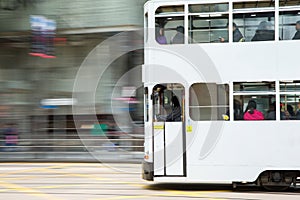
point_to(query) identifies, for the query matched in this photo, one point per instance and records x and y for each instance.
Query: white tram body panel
(218, 151)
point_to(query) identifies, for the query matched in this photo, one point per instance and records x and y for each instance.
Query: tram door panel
(168, 130)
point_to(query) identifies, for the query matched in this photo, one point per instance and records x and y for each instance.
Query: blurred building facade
(26, 80)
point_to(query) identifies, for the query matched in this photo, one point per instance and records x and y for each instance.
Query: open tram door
(168, 130)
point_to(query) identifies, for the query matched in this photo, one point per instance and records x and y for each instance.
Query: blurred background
(43, 43)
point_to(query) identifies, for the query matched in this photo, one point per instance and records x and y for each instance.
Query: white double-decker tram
(222, 92)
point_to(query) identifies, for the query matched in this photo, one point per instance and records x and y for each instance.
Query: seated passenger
(175, 115)
(290, 112)
(238, 113)
(179, 37)
(251, 112)
(297, 34)
(264, 32)
(160, 37)
(237, 35)
(297, 115)
(271, 114)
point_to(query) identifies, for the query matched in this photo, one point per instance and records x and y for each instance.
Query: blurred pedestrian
(11, 136)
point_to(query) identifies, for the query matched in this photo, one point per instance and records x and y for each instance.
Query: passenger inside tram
(238, 112)
(271, 113)
(287, 112)
(264, 32)
(160, 36)
(174, 115)
(297, 34)
(178, 38)
(252, 113)
(237, 35)
(297, 115)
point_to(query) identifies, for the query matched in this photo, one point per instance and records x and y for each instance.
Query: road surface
(92, 181)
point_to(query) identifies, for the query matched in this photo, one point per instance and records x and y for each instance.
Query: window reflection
(209, 101)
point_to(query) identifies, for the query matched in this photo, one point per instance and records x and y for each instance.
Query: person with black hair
(175, 115)
(297, 34)
(179, 36)
(297, 114)
(237, 35)
(251, 113)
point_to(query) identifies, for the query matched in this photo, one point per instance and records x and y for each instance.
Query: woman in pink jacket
(251, 112)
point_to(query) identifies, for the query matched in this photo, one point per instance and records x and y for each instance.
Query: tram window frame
(169, 29)
(163, 16)
(259, 92)
(289, 97)
(209, 8)
(287, 23)
(212, 99)
(169, 9)
(253, 4)
(288, 3)
(208, 23)
(249, 14)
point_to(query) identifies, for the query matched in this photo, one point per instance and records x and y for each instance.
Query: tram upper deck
(266, 48)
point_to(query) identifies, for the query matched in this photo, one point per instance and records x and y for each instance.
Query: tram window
(167, 28)
(209, 101)
(290, 100)
(208, 23)
(208, 28)
(167, 10)
(254, 87)
(283, 3)
(254, 4)
(255, 19)
(256, 26)
(208, 8)
(261, 93)
(169, 24)
(288, 25)
(265, 104)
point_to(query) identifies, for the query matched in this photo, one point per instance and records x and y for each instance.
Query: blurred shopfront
(26, 80)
